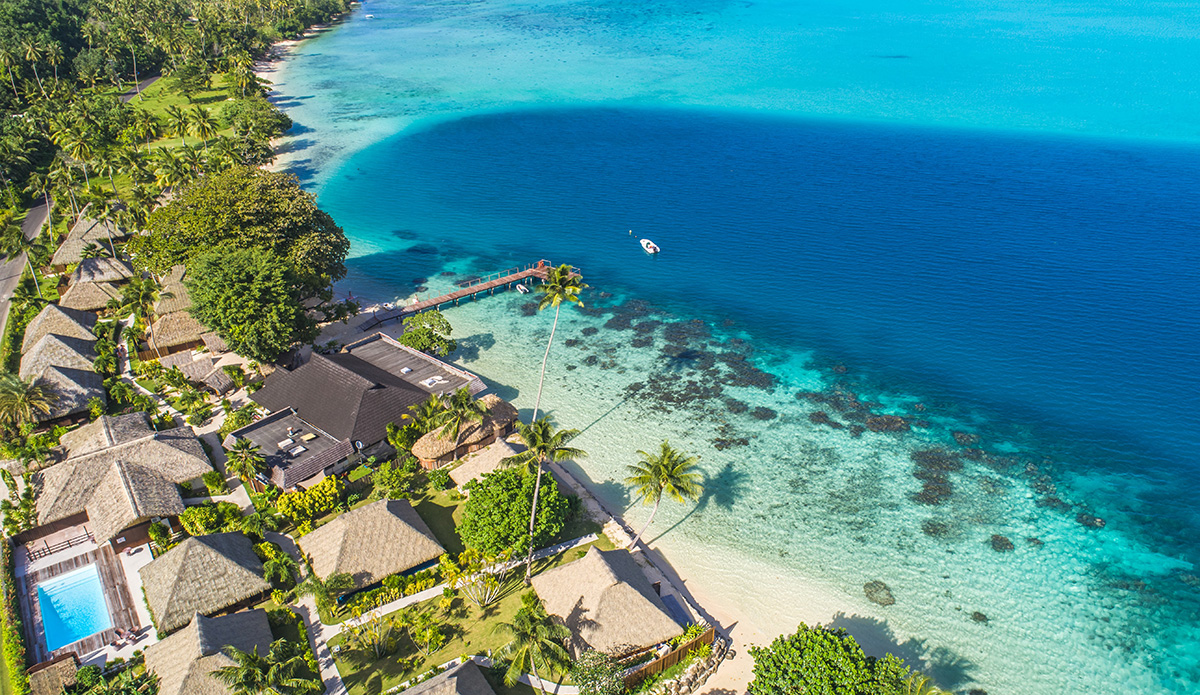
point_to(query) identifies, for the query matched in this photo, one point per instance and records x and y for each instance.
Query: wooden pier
(500, 280)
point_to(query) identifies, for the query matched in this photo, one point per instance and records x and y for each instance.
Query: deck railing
(666, 661)
(37, 553)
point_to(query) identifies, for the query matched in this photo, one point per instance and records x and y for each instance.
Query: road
(10, 272)
(141, 87)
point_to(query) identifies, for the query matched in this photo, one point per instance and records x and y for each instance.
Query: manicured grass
(163, 93)
(359, 473)
(442, 514)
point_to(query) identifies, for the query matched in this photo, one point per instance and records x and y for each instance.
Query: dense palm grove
(64, 62)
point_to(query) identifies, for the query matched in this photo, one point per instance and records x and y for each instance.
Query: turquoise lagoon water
(978, 217)
(73, 607)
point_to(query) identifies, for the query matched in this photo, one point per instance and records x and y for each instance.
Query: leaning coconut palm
(14, 244)
(458, 411)
(542, 445)
(23, 400)
(670, 472)
(276, 673)
(536, 641)
(562, 285)
(257, 525)
(245, 461)
(325, 591)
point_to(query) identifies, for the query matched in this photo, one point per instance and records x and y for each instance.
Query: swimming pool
(73, 607)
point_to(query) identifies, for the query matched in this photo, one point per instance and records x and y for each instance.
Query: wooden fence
(669, 659)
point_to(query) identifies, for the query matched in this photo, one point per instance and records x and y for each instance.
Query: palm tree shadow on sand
(944, 666)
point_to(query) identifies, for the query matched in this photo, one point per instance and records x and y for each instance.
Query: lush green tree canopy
(244, 207)
(496, 516)
(428, 332)
(252, 298)
(823, 660)
(254, 117)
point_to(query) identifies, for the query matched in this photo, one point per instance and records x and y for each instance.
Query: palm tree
(280, 570)
(203, 124)
(562, 285)
(325, 592)
(33, 53)
(120, 391)
(425, 414)
(54, 56)
(28, 294)
(459, 410)
(93, 250)
(670, 472)
(23, 400)
(14, 244)
(63, 180)
(189, 399)
(257, 524)
(276, 673)
(536, 640)
(245, 461)
(9, 60)
(920, 684)
(138, 298)
(542, 445)
(178, 122)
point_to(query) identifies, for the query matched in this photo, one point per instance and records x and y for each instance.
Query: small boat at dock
(523, 289)
(649, 246)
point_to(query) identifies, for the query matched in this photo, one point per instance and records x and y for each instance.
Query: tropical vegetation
(821, 659)
(667, 472)
(495, 516)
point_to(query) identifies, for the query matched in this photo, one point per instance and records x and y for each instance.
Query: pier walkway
(489, 283)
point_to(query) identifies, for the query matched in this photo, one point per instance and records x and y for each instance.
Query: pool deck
(121, 607)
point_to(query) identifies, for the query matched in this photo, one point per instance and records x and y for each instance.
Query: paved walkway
(141, 87)
(10, 272)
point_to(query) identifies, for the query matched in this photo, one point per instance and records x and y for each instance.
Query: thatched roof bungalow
(53, 677)
(434, 450)
(208, 575)
(175, 332)
(57, 351)
(184, 661)
(73, 391)
(371, 542)
(464, 679)
(608, 604)
(105, 431)
(86, 231)
(89, 296)
(57, 320)
(101, 270)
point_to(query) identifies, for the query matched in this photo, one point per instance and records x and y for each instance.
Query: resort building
(101, 270)
(174, 329)
(435, 449)
(89, 296)
(333, 406)
(119, 477)
(85, 232)
(207, 575)
(184, 661)
(200, 368)
(607, 603)
(58, 351)
(372, 542)
(464, 679)
(53, 677)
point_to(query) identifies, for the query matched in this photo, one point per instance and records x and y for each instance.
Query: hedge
(10, 625)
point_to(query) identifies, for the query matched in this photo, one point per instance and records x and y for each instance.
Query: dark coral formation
(572, 342)
(936, 529)
(723, 443)
(965, 438)
(763, 413)
(1054, 503)
(1002, 544)
(933, 469)
(1090, 521)
(590, 330)
(887, 423)
(878, 592)
(820, 417)
(642, 341)
(529, 309)
(735, 406)
(979, 617)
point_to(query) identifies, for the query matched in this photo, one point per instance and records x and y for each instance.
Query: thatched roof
(474, 465)
(606, 601)
(218, 381)
(127, 494)
(101, 270)
(433, 445)
(198, 368)
(105, 431)
(464, 679)
(178, 328)
(57, 351)
(89, 296)
(371, 542)
(72, 389)
(54, 676)
(185, 660)
(204, 574)
(58, 320)
(175, 274)
(172, 285)
(86, 231)
(73, 486)
(214, 342)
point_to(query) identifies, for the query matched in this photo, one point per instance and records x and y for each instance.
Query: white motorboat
(522, 288)
(649, 246)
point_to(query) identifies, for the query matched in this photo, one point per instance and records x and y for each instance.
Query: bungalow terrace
(336, 405)
(119, 477)
(607, 603)
(372, 542)
(185, 660)
(58, 351)
(208, 575)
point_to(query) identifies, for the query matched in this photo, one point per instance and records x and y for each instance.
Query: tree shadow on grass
(441, 521)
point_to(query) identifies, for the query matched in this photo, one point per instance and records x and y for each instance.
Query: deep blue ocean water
(980, 216)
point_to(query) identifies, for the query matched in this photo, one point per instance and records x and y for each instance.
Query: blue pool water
(978, 216)
(73, 607)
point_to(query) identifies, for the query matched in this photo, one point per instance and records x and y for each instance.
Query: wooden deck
(116, 594)
(489, 283)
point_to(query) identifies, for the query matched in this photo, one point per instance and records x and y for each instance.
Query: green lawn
(442, 514)
(469, 629)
